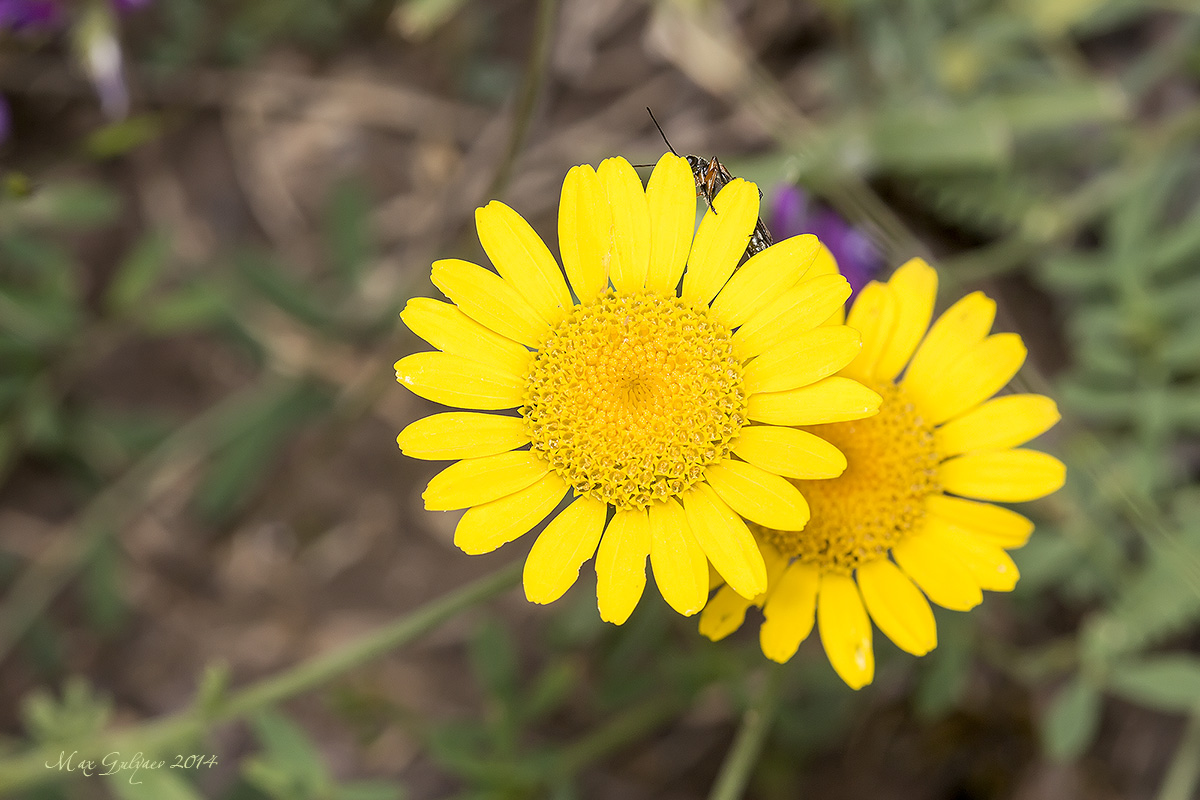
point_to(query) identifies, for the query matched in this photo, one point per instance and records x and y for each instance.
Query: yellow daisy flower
(937, 440)
(638, 381)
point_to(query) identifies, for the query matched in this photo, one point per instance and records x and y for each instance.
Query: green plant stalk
(748, 743)
(1184, 773)
(30, 768)
(621, 731)
(531, 89)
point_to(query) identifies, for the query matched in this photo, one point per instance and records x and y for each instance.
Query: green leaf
(551, 688)
(196, 305)
(147, 784)
(1059, 106)
(494, 658)
(284, 289)
(103, 588)
(1070, 725)
(348, 230)
(137, 274)
(369, 790)
(290, 766)
(1167, 683)
(944, 672)
(78, 204)
(923, 139)
(80, 711)
(255, 438)
(118, 138)
(1076, 273)
(418, 19)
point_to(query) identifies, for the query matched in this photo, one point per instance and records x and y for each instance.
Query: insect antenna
(660, 131)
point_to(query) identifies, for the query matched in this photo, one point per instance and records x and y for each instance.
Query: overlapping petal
(621, 565)
(671, 201)
(585, 238)
(462, 434)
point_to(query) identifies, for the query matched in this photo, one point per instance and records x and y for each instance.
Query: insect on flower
(711, 176)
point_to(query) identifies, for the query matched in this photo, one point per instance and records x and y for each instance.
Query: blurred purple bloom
(793, 213)
(16, 15)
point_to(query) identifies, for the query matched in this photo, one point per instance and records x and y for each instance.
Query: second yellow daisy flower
(910, 493)
(656, 384)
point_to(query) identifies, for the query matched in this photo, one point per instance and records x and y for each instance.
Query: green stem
(531, 89)
(748, 743)
(1184, 773)
(621, 731)
(30, 769)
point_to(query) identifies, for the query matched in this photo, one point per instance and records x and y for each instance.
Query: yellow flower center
(879, 499)
(631, 397)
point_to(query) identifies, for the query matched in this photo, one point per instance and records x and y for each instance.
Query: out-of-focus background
(212, 212)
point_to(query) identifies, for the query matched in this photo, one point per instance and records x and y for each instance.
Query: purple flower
(793, 213)
(16, 15)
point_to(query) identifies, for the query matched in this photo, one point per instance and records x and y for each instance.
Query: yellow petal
(989, 566)
(993, 524)
(522, 259)
(671, 198)
(721, 240)
(448, 329)
(914, 286)
(789, 612)
(800, 308)
(897, 606)
(776, 563)
(726, 541)
(462, 434)
(724, 614)
(621, 565)
(845, 630)
(802, 360)
(758, 495)
(998, 424)
(457, 381)
(938, 572)
(974, 377)
(873, 315)
(631, 225)
(789, 452)
(961, 327)
(1005, 476)
(485, 527)
(489, 300)
(825, 264)
(585, 232)
(680, 566)
(833, 399)
(714, 578)
(569, 540)
(475, 481)
(763, 277)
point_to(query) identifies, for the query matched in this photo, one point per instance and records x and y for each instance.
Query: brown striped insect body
(711, 177)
